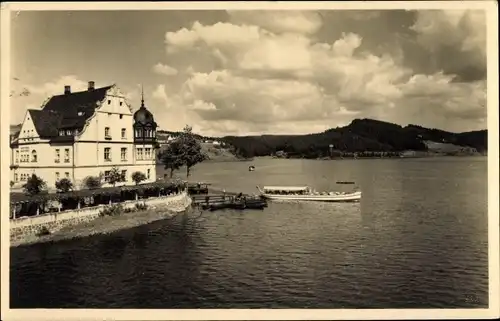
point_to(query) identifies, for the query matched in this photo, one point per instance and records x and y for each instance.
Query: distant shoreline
(419, 155)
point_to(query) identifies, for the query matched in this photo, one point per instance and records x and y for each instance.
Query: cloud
(57, 87)
(454, 40)
(289, 21)
(273, 72)
(163, 69)
(307, 71)
(160, 94)
(39, 93)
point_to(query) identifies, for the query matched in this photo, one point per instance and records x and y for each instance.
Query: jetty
(219, 200)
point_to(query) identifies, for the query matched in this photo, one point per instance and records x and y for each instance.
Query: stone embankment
(89, 221)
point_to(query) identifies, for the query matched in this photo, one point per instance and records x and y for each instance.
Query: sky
(254, 72)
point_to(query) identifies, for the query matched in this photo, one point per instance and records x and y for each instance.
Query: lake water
(417, 239)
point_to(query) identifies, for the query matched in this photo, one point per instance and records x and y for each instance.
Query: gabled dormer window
(61, 133)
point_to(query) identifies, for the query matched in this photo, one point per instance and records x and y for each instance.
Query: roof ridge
(84, 91)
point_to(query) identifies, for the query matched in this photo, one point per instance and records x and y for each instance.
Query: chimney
(67, 90)
(91, 85)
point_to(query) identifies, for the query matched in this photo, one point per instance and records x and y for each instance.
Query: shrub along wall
(32, 205)
(50, 222)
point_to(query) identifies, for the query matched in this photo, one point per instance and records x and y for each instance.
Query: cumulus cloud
(293, 71)
(160, 94)
(276, 76)
(455, 41)
(39, 93)
(289, 21)
(163, 69)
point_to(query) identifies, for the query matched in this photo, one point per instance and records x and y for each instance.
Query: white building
(82, 134)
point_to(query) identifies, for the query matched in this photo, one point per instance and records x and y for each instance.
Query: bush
(92, 182)
(34, 185)
(138, 177)
(64, 185)
(141, 206)
(112, 210)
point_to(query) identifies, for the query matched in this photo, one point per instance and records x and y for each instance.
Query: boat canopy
(286, 188)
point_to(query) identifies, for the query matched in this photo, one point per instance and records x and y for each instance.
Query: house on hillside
(86, 133)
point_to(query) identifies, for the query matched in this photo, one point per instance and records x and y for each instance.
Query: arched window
(33, 156)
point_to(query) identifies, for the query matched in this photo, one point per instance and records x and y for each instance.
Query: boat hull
(351, 197)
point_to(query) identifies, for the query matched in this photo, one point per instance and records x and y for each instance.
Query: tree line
(361, 136)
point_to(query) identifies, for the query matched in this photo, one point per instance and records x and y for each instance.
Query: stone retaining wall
(25, 226)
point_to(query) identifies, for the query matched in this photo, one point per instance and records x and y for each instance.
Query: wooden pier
(228, 201)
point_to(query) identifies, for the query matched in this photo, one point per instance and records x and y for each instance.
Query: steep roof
(46, 122)
(67, 111)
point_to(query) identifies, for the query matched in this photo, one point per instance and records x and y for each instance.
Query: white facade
(105, 141)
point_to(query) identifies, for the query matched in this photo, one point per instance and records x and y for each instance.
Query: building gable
(28, 131)
(115, 102)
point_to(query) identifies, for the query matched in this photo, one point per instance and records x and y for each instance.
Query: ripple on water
(410, 243)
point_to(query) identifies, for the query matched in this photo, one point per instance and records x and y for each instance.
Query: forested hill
(361, 135)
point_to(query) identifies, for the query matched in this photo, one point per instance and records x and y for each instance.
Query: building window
(140, 156)
(124, 133)
(149, 173)
(107, 154)
(58, 156)
(124, 175)
(66, 155)
(106, 133)
(121, 103)
(109, 103)
(68, 132)
(61, 133)
(17, 156)
(25, 155)
(138, 132)
(57, 176)
(66, 174)
(147, 153)
(33, 156)
(123, 153)
(15, 177)
(106, 176)
(121, 116)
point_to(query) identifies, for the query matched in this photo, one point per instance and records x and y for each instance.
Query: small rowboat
(305, 193)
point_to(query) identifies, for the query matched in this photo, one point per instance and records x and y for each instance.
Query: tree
(115, 176)
(34, 185)
(138, 177)
(64, 185)
(191, 153)
(92, 182)
(171, 157)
